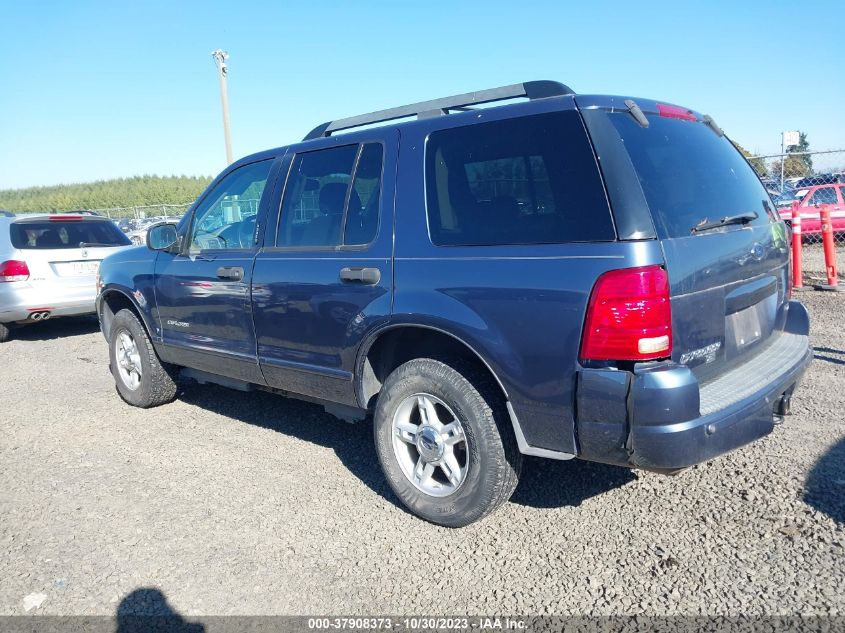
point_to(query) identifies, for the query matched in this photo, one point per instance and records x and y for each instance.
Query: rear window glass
(530, 180)
(52, 234)
(689, 174)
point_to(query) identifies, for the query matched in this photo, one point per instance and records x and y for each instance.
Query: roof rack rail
(530, 89)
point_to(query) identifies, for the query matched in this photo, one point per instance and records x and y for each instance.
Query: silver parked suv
(48, 265)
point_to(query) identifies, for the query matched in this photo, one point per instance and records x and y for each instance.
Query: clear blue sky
(95, 90)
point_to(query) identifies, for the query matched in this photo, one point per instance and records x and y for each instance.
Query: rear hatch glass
(58, 234)
(690, 176)
(65, 251)
(725, 249)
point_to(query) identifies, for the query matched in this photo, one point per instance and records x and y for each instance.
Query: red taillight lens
(674, 112)
(629, 316)
(14, 270)
(65, 218)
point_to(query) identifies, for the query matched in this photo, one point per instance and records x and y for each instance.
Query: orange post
(797, 272)
(829, 249)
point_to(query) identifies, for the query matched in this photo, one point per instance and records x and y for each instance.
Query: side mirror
(162, 237)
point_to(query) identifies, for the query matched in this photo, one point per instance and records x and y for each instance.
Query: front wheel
(444, 441)
(5, 333)
(141, 378)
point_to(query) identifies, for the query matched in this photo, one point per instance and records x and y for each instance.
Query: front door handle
(353, 275)
(231, 273)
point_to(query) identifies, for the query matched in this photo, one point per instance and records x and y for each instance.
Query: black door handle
(232, 273)
(370, 276)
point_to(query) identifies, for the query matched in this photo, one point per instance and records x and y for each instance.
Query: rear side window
(52, 234)
(689, 174)
(531, 180)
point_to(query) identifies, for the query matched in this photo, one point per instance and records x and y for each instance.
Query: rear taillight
(14, 270)
(629, 316)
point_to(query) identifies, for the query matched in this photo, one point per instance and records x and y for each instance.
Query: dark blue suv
(560, 276)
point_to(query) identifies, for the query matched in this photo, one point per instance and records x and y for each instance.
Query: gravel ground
(233, 503)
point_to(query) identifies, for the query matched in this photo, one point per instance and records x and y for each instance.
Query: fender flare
(121, 290)
(373, 336)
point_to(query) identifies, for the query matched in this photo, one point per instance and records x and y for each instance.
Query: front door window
(226, 218)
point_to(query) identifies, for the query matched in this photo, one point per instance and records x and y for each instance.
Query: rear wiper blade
(93, 244)
(742, 218)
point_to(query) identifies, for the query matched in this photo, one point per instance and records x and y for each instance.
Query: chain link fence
(142, 212)
(810, 182)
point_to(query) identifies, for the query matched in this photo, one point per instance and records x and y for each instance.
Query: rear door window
(332, 197)
(362, 215)
(529, 180)
(689, 174)
(58, 234)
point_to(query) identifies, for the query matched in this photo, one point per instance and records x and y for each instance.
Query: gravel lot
(232, 503)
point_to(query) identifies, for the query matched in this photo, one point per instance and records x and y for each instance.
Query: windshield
(57, 234)
(690, 175)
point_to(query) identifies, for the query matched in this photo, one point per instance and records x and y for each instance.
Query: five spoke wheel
(430, 445)
(128, 360)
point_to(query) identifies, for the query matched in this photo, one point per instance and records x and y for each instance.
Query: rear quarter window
(57, 234)
(528, 180)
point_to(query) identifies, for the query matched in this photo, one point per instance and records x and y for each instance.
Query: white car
(49, 263)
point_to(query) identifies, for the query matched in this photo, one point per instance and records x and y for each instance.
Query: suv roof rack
(435, 107)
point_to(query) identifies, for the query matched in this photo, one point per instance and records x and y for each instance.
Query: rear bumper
(671, 422)
(18, 300)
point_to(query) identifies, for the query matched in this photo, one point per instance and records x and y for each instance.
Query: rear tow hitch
(782, 407)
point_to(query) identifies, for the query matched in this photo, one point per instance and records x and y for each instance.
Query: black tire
(157, 384)
(5, 333)
(492, 459)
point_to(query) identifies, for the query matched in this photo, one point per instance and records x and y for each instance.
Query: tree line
(798, 162)
(106, 194)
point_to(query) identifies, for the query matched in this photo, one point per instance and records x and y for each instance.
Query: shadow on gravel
(56, 328)
(147, 609)
(545, 483)
(825, 488)
(548, 483)
(353, 443)
(829, 359)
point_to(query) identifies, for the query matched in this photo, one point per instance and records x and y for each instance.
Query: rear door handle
(369, 276)
(232, 273)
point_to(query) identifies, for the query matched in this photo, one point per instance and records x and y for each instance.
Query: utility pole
(220, 57)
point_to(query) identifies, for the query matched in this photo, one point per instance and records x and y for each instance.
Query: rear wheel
(5, 333)
(141, 378)
(444, 441)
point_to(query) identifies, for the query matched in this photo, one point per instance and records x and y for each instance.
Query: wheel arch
(111, 301)
(394, 344)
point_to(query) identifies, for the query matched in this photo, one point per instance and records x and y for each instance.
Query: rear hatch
(65, 250)
(725, 248)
